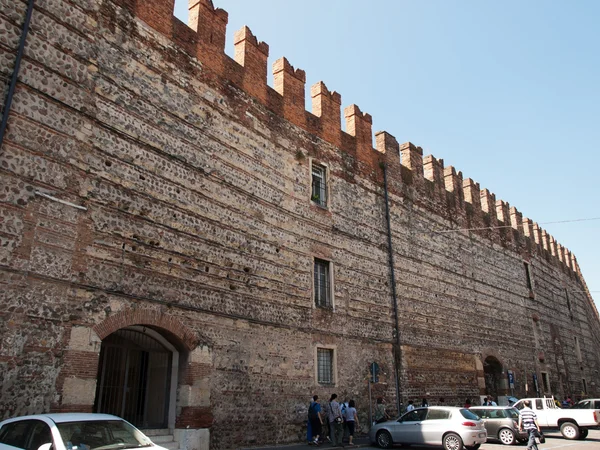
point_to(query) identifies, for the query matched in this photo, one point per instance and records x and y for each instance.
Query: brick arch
(494, 354)
(189, 338)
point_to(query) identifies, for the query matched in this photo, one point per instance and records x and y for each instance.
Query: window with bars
(322, 284)
(319, 185)
(325, 365)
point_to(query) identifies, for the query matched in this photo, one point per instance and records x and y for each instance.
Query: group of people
(333, 419)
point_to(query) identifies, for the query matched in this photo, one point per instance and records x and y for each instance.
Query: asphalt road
(554, 440)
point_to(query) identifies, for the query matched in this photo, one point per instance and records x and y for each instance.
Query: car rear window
(468, 414)
(512, 413)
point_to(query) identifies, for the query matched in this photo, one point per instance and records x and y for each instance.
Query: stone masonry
(149, 180)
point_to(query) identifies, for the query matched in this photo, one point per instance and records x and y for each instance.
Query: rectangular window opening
(528, 276)
(325, 365)
(319, 185)
(578, 350)
(322, 288)
(546, 381)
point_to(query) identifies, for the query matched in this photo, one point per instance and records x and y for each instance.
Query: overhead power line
(509, 226)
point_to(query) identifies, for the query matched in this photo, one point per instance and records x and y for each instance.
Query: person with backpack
(315, 419)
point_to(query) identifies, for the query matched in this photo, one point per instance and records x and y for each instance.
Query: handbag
(539, 437)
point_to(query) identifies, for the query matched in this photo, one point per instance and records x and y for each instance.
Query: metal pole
(15, 75)
(397, 352)
(370, 406)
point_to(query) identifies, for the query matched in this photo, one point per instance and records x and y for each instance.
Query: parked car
(588, 403)
(71, 431)
(573, 423)
(501, 422)
(446, 426)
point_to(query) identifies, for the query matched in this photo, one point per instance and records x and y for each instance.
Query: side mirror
(47, 446)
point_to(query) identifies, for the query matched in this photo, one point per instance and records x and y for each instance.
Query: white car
(446, 426)
(72, 431)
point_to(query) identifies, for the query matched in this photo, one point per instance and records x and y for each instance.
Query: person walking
(467, 403)
(315, 419)
(380, 414)
(424, 403)
(489, 401)
(336, 426)
(528, 422)
(410, 406)
(351, 420)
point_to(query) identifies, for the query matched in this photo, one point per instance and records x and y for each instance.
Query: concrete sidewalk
(359, 441)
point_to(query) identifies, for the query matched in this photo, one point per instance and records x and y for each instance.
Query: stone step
(171, 445)
(161, 439)
(156, 432)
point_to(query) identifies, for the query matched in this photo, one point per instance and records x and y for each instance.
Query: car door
(434, 426)
(490, 425)
(407, 430)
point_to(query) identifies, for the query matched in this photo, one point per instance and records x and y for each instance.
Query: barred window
(322, 284)
(319, 185)
(325, 365)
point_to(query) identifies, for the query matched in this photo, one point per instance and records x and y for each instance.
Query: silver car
(501, 422)
(445, 426)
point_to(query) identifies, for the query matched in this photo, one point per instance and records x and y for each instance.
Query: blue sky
(507, 92)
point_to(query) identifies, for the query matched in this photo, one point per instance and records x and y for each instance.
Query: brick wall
(197, 212)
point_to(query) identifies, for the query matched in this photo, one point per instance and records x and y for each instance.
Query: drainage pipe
(397, 351)
(15, 75)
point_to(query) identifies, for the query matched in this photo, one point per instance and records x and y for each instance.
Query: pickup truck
(573, 423)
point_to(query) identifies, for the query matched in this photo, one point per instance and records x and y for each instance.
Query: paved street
(554, 440)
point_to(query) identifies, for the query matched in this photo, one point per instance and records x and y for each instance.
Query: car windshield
(468, 414)
(101, 434)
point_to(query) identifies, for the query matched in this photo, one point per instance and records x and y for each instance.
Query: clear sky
(507, 92)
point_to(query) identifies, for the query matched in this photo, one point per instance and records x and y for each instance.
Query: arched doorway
(137, 377)
(492, 369)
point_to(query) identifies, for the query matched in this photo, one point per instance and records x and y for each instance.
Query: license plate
(482, 435)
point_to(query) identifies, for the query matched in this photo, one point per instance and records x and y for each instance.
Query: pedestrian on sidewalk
(351, 420)
(380, 414)
(336, 426)
(315, 419)
(410, 406)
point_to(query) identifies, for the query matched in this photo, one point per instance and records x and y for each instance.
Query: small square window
(319, 185)
(325, 365)
(322, 284)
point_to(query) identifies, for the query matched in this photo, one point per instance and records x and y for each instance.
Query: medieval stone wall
(147, 178)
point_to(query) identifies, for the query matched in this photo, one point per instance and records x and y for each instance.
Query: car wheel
(384, 439)
(506, 436)
(583, 433)
(452, 441)
(569, 430)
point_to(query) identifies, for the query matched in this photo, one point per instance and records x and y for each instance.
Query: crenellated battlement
(433, 183)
